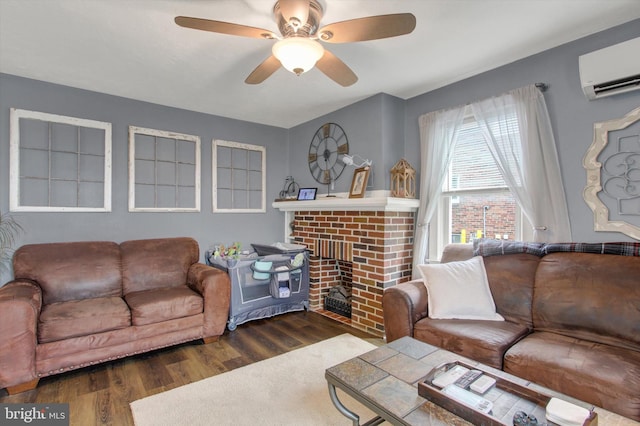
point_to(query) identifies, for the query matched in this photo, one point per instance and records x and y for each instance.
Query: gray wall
(572, 115)
(375, 131)
(119, 225)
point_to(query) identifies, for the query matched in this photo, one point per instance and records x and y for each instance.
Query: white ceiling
(132, 48)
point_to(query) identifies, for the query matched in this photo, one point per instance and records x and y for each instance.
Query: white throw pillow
(459, 290)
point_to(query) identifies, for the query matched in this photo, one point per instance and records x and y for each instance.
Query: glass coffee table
(385, 380)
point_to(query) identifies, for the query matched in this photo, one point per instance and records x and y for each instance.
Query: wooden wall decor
(613, 175)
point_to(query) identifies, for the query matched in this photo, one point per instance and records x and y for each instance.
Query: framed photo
(307, 193)
(359, 182)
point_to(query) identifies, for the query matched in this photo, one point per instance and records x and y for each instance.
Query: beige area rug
(289, 389)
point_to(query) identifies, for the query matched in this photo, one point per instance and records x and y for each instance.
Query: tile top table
(386, 381)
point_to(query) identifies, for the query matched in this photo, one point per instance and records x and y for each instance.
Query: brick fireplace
(365, 244)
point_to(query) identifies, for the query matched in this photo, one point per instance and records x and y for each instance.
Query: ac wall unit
(612, 70)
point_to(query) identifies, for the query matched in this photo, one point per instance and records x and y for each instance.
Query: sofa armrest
(20, 304)
(402, 306)
(215, 287)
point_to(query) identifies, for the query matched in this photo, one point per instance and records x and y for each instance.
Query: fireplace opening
(338, 301)
(337, 297)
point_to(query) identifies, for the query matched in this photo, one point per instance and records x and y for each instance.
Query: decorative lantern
(403, 180)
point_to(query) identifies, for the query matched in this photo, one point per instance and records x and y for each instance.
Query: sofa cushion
(603, 375)
(456, 251)
(152, 306)
(511, 279)
(483, 341)
(589, 296)
(459, 290)
(157, 263)
(71, 271)
(75, 318)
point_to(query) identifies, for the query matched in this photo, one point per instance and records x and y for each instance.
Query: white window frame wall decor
(246, 186)
(55, 172)
(176, 183)
(601, 175)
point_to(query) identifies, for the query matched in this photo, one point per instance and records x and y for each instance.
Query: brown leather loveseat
(572, 318)
(76, 304)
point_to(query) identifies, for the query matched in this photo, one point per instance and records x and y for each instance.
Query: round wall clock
(326, 149)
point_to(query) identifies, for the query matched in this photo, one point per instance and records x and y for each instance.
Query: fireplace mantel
(377, 201)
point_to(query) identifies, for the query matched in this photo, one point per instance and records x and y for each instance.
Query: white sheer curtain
(527, 159)
(438, 133)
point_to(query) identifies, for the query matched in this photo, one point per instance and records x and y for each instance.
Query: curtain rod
(542, 86)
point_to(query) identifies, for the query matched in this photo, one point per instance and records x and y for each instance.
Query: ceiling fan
(297, 48)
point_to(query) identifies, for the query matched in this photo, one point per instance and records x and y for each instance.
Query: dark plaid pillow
(489, 247)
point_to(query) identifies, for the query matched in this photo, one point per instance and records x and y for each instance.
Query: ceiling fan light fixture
(298, 54)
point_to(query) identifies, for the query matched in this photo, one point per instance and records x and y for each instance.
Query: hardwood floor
(100, 395)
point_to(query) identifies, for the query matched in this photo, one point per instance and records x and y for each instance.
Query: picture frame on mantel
(359, 182)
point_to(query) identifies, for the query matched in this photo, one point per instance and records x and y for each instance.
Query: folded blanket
(488, 247)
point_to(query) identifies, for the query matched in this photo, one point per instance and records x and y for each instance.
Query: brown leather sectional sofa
(572, 323)
(81, 303)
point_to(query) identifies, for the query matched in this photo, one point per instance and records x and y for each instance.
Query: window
(164, 171)
(58, 163)
(239, 177)
(475, 201)
(514, 129)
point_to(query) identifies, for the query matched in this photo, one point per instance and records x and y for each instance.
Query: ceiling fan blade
(223, 27)
(336, 70)
(263, 71)
(295, 9)
(369, 28)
